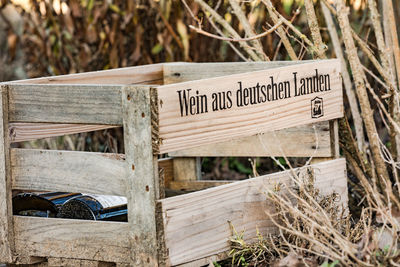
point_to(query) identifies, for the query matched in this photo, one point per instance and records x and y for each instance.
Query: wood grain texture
(196, 224)
(68, 171)
(86, 104)
(167, 167)
(141, 176)
(77, 263)
(183, 72)
(302, 141)
(180, 132)
(49, 237)
(196, 185)
(20, 131)
(146, 74)
(6, 224)
(188, 169)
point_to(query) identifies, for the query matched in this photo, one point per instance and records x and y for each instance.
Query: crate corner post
(6, 226)
(143, 187)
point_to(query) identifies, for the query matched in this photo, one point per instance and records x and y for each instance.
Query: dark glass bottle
(95, 207)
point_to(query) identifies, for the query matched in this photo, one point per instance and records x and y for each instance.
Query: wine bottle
(95, 207)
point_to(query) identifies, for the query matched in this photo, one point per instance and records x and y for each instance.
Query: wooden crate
(191, 229)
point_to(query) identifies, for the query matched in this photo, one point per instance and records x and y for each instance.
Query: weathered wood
(196, 185)
(146, 74)
(334, 126)
(205, 261)
(197, 224)
(141, 175)
(298, 141)
(87, 104)
(6, 225)
(20, 131)
(167, 166)
(180, 131)
(68, 171)
(49, 237)
(187, 169)
(31, 260)
(77, 263)
(183, 72)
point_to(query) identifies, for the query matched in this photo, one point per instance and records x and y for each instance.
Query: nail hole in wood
(142, 114)
(128, 97)
(147, 188)
(133, 167)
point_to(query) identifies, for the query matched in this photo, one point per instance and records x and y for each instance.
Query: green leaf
(157, 49)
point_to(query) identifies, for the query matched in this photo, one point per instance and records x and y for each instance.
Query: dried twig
(254, 37)
(355, 112)
(320, 47)
(358, 75)
(248, 29)
(228, 28)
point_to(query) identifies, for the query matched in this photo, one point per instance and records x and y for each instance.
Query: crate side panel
(21, 131)
(183, 72)
(197, 224)
(78, 239)
(146, 74)
(68, 171)
(218, 109)
(94, 104)
(302, 141)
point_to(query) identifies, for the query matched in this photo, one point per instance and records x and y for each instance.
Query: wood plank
(187, 169)
(196, 224)
(167, 166)
(77, 263)
(196, 185)
(49, 237)
(142, 184)
(68, 171)
(183, 72)
(279, 143)
(20, 131)
(6, 225)
(86, 104)
(301, 141)
(146, 74)
(177, 130)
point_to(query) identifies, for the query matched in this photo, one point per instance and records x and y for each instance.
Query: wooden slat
(55, 262)
(142, 184)
(167, 165)
(20, 131)
(183, 72)
(48, 237)
(86, 104)
(68, 171)
(187, 169)
(282, 142)
(196, 224)
(6, 225)
(178, 131)
(146, 74)
(301, 141)
(196, 185)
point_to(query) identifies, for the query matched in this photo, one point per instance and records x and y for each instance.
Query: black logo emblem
(317, 108)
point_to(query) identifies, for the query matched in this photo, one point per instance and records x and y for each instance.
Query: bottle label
(109, 201)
